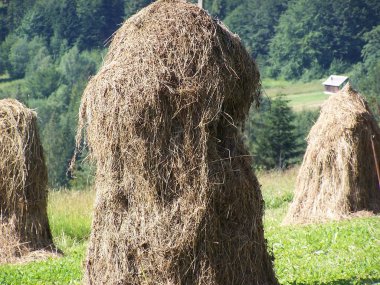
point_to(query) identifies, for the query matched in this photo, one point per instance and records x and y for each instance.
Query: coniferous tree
(133, 6)
(113, 13)
(98, 19)
(255, 23)
(66, 22)
(38, 21)
(15, 12)
(366, 75)
(3, 24)
(57, 139)
(275, 140)
(18, 58)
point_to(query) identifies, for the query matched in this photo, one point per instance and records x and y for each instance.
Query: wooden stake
(200, 3)
(376, 162)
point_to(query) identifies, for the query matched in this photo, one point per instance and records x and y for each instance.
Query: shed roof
(335, 80)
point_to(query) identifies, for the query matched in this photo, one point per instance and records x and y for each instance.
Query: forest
(49, 49)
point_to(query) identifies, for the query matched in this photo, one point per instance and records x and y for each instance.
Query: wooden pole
(376, 162)
(200, 3)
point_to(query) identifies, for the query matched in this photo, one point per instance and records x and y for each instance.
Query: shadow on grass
(4, 80)
(343, 282)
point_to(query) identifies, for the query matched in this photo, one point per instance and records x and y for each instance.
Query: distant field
(301, 95)
(337, 253)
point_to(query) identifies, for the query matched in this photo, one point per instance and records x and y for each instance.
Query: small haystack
(338, 174)
(24, 224)
(177, 200)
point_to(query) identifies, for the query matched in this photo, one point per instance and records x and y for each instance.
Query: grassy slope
(346, 252)
(301, 95)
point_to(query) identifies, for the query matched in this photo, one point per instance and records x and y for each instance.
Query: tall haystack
(24, 224)
(338, 177)
(177, 200)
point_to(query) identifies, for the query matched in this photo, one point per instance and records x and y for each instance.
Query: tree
(304, 120)
(371, 50)
(58, 145)
(366, 74)
(44, 79)
(38, 21)
(133, 6)
(75, 66)
(18, 58)
(3, 24)
(5, 50)
(274, 142)
(16, 11)
(311, 34)
(221, 8)
(66, 22)
(113, 13)
(98, 19)
(255, 21)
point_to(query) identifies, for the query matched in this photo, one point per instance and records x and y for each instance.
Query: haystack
(338, 177)
(177, 200)
(24, 224)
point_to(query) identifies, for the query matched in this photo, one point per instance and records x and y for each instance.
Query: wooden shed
(335, 83)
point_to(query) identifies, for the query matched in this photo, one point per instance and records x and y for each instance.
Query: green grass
(301, 95)
(70, 219)
(70, 213)
(346, 252)
(65, 270)
(336, 253)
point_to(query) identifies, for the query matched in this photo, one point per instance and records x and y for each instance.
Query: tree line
(49, 49)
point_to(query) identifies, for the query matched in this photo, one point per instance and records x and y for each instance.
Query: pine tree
(275, 140)
(133, 6)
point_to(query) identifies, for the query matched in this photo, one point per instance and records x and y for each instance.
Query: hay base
(13, 251)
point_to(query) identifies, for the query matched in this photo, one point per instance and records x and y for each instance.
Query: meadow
(301, 95)
(345, 252)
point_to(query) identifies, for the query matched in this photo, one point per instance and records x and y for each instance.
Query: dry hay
(177, 200)
(338, 178)
(24, 224)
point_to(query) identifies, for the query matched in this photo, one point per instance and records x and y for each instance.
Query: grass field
(301, 95)
(346, 252)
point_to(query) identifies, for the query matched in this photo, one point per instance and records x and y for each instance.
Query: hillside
(49, 49)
